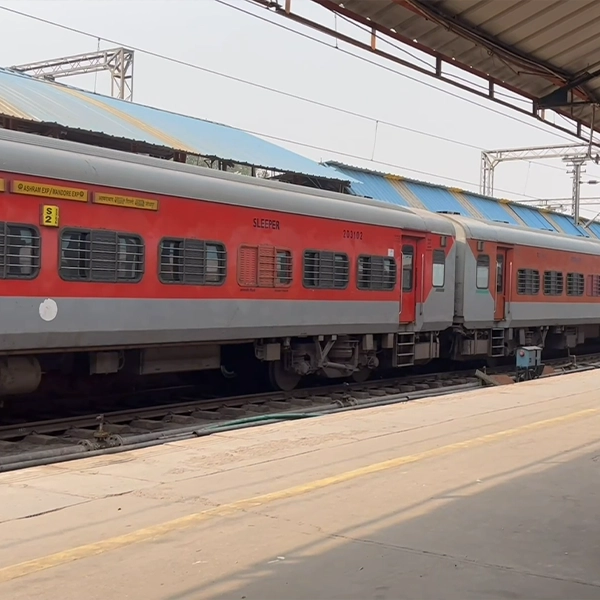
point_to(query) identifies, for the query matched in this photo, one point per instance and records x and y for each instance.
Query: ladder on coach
(405, 349)
(497, 342)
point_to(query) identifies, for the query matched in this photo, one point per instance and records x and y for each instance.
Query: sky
(255, 46)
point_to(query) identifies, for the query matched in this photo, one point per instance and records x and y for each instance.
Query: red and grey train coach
(115, 263)
(518, 286)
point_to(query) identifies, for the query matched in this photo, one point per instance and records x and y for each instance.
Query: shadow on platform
(528, 535)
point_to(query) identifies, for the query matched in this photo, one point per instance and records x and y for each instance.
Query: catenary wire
(290, 94)
(385, 67)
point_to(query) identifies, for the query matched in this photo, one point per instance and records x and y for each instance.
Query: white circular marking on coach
(48, 309)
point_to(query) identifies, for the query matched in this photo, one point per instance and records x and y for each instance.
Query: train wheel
(361, 375)
(281, 379)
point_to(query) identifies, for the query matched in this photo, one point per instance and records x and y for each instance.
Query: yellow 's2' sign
(50, 217)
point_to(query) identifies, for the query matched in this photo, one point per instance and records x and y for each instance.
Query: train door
(408, 269)
(501, 283)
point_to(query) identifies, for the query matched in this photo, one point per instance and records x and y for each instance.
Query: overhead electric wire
(379, 162)
(283, 92)
(395, 125)
(302, 98)
(385, 67)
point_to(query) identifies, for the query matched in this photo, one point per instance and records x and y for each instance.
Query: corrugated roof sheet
(491, 210)
(567, 225)
(595, 229)
(31, 99)
(531, 46)
(533, 218)
(371, 185)
(437, 199)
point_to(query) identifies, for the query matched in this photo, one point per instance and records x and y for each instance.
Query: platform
(486, 494)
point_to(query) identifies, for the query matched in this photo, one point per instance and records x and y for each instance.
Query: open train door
(502, 283)
(410, 266)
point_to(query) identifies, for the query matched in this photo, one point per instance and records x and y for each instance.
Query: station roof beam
(544, 53)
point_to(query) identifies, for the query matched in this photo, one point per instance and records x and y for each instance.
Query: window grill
(19, 251)
(376, 273)
(528, 282)
(284, 267)
(192, 262)
(101, 255)
(575, 284)
(553, 283)
(325, 270)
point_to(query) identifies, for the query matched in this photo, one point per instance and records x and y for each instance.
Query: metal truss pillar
(577, 164)
(575, 155)
(117, 61)
(490, 159)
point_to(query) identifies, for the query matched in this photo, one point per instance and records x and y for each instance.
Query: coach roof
(58, 159)
(510, 234)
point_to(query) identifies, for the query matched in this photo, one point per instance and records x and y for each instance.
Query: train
(116, 264)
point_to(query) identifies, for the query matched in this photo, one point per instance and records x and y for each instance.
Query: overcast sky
(209, 34)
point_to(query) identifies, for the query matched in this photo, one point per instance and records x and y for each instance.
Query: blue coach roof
(27, 98)
(438, 198)
(371, 185)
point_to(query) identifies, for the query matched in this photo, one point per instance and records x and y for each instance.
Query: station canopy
(545, 51)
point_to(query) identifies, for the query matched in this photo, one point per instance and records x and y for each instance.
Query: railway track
(55, 440)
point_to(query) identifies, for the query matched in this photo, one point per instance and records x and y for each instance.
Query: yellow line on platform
(155, 531)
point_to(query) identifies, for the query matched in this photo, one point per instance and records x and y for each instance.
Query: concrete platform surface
(486, 494)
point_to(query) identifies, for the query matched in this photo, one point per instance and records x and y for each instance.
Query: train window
(326, 270)
(215, 263)
(75, 255)
(528, 282)
(376, 273)
(101, 255)
(192, 262)
(575, 284)
(264, 266)
(408, 268)
(553, 283)
(500, 273)
(19, 251)
(482, 277)
(284, 267)
(130, 257)
(438, 277)
(593, 285)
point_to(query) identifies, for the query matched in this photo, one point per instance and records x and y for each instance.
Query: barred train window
(101, 255)
(376, 273)
(438, 277)
(326, 270)
(284, 267)
(575, 284)
(553, 283)
(192, 262)
(19, 251)
(528, 282)
(482, 277)
(264, 266)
